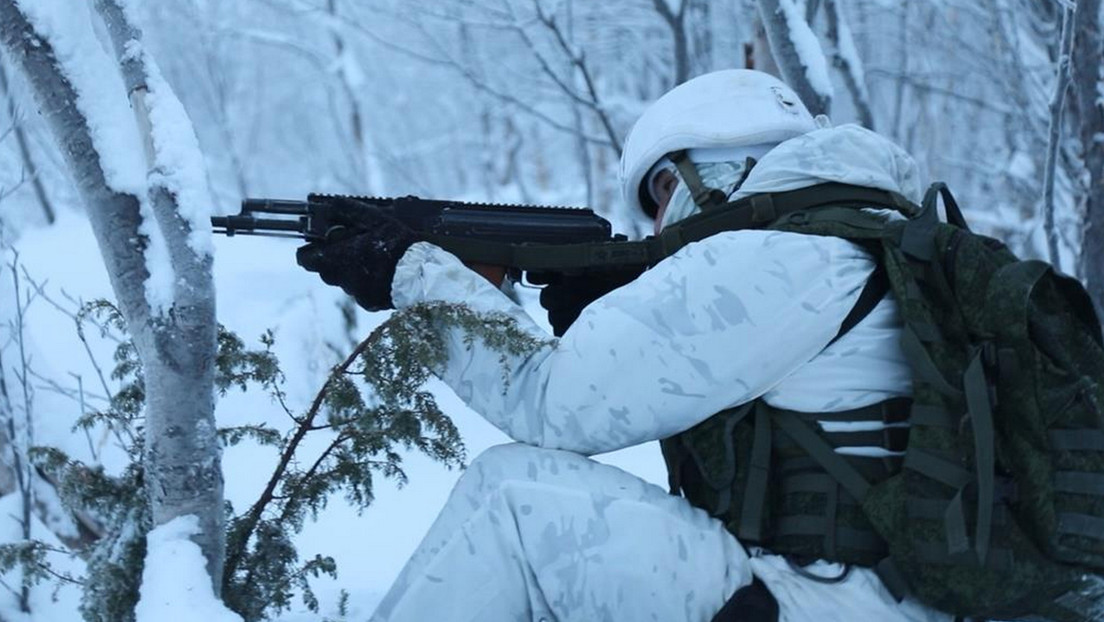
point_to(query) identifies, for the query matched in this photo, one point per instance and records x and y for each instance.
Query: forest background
(517, 101)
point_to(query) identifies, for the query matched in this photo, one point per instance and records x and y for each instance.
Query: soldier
(538, 531)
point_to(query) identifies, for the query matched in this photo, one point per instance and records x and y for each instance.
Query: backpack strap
(789, 210)
(877, 286)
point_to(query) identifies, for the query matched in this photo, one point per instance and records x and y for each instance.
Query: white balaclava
(722, 174)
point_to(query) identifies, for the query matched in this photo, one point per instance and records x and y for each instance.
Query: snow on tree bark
(1087, 67)
(176, 342)
(182, 458)
(797, 52)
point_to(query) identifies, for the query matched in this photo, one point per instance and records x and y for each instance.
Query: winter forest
(124, 120)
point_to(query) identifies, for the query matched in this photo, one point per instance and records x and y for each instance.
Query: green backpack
(996, 509)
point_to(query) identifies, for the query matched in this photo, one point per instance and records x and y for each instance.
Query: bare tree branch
(676, 21)
(485, 87)
(25, 149)
(1057, 107)
(797, 53)
(846, 58)
(1087, 64)
(578, 61)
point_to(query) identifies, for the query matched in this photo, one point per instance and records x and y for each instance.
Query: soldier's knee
(514, 462)
(506, 456)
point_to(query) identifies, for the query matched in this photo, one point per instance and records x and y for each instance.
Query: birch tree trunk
(797, 53)
(177, 344)
(1087, 69)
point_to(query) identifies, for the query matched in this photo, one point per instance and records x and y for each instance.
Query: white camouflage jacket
(723, 321)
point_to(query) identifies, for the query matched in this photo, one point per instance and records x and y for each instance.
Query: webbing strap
(870, 468)
(934, 553)
(935, 509)
(923, 414)
(749, 213)
(867, 438)
(1077, 440)
(1079, 483)
(824, 454)
(891, 576)
(831, 507)
(1083, 525)
(846, 537)
(937, 468)
(872, 293)
(954, 523)
(755, 492)
(706, 198)
(819, 483)
(950, 205)
(980, 408)
(923, 365)
(724, 501)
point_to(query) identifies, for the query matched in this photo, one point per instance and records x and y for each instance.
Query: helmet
(729, 108)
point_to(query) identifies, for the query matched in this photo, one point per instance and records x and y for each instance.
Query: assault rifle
(537, 241)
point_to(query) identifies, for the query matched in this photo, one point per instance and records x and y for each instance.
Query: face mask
(725, 176)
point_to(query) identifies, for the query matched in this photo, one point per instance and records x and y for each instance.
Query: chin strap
(706, 198)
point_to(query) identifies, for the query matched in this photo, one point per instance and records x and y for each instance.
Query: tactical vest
(996, 508)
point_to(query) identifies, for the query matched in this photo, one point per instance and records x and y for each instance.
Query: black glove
(566, 296)
(362, 262)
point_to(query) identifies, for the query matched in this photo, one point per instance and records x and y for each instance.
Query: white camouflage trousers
(547, 535)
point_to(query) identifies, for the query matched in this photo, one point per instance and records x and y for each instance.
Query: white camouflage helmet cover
(729, 108)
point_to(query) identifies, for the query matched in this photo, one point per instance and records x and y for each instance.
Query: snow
(260, 287)
(101, 95)
(808, 48)
(160, 283)
(175, 574)
(178, 161)
(1021, 166)
(274, 121)
(101, 98)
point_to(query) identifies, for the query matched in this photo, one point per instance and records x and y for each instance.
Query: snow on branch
(74, 86)
(798, 53)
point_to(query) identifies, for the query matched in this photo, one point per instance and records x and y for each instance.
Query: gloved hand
(566, 297)
(363, 263)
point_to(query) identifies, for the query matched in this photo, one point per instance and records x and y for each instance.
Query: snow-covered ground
(260, 287)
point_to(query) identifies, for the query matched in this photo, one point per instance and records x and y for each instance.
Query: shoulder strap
(762, 210)
(877, 286)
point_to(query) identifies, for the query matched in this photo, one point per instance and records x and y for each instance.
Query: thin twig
(578, 60)
(253, 517)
